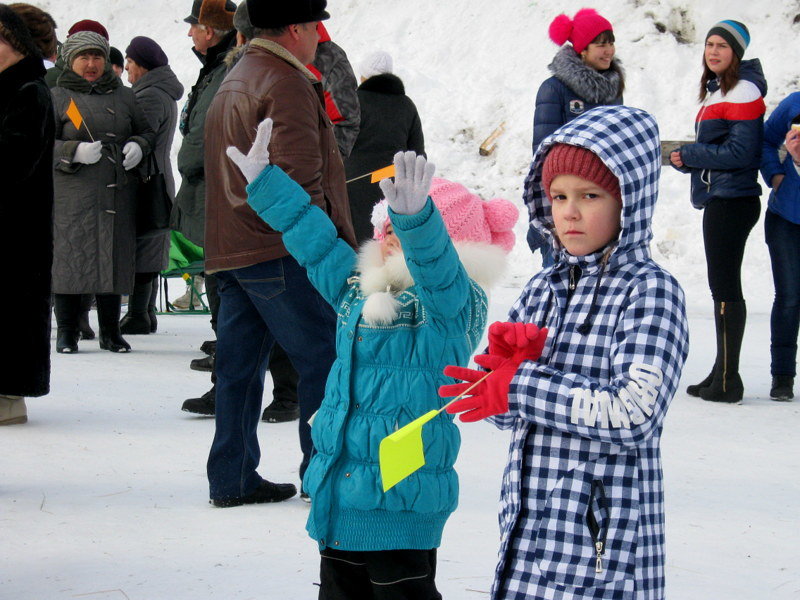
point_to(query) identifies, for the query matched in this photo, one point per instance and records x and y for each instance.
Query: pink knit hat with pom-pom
(580, 30)
(466, 217)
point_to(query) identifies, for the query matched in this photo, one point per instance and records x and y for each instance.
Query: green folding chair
(185, 261)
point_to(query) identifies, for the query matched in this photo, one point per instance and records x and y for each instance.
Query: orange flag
(74, 114)
(382, 174)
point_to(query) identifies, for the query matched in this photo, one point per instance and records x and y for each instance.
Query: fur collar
(597, 87)
(381, 282)
(385, 83)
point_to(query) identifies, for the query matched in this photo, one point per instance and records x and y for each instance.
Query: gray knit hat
(81, 42)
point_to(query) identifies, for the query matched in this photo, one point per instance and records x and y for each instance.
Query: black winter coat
(27, 130)
(389, 123)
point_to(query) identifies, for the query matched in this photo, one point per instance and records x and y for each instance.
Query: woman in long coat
(26, 204)
(157, 91)
(101, 135)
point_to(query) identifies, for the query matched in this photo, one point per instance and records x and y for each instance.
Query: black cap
(272, 14)
(115, 57)
(194, 18)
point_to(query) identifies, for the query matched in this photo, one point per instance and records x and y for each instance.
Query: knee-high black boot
(694, 390)
(84, 328)
(68, 309)
(151, 305)
(137, 319)
(726, 385)
(108, 308)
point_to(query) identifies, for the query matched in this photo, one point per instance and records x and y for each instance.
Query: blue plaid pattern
(591, 409)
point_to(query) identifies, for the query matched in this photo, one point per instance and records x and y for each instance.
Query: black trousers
(383, 575)
(727, 223)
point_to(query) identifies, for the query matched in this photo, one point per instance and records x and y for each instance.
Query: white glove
(258, 157)
(412, 183)
(88, 153)
(133, 155)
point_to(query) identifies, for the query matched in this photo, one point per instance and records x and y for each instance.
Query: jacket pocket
(588, 529)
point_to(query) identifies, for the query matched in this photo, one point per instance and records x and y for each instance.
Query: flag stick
(87, 131)
(359, 177)
(466, 391)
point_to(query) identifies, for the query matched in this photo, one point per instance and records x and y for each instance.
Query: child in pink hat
(411, 301)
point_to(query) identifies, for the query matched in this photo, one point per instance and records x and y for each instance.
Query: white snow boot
(191, 296)
(13, 410)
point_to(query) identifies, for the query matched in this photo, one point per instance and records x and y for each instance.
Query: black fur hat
(274, 14)
(16, 33)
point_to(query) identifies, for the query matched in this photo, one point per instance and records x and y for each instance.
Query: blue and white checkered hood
(629, 146)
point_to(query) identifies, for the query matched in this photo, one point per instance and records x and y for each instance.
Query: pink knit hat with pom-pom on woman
(466, 216)
(580, 30)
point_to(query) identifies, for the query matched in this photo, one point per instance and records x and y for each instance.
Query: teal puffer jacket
(384, 376)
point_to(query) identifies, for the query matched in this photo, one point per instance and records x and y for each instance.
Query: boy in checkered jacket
(584, 371)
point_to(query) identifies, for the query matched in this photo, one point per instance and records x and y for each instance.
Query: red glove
(509, 345)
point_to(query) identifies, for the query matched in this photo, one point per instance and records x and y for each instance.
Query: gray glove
(258, 156)
(88, 153)
(408, 192)
(133, 155)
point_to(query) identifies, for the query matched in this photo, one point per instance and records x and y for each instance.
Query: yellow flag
(382, 174)
(401, 453)
(74, 114)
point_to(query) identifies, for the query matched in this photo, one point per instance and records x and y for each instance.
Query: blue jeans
(537, 242)
(783, 240)
(259, 305)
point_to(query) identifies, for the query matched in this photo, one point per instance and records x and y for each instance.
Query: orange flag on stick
(375, 176)
(74, 114)
(76, 117)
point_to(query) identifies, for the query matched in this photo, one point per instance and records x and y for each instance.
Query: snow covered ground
(103, 493)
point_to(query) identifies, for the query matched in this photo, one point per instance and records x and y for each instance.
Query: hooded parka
(584, 464)
(95, 205)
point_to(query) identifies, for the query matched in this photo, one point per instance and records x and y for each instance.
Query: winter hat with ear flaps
(217, 14)
(580, 30)
(466, 217)
(565, 159)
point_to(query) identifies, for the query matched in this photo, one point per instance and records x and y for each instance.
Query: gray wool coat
(94, 217)
(158, 92)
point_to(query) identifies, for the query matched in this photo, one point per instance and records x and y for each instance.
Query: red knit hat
(88, 25)
(565, 159)
(580, 30)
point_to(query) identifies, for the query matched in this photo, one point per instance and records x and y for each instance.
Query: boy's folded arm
(441, 280)
(308, 233)
(647, 356)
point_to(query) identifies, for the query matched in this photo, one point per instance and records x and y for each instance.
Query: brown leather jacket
(268, 82)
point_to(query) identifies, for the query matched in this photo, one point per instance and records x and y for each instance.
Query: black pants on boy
(383, 575)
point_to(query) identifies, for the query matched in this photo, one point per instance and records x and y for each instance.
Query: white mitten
(412, 182)
(258, 157)
(133, 155)
(88, 153)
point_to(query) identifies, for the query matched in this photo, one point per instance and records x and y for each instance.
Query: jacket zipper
(724, 348)
(572, 283)
(598, 531)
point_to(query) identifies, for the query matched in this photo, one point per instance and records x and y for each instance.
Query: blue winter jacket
(786, 201)
(582, 513)
(384, 376)
(729, 129)
(573, 89)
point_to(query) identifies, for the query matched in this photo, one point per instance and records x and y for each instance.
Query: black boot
(108, 308)
(68, 309)
(204, 405)
(137, 319)
(151, 306)
(694, 390)
(782, 388)
(86, 331)
(284, 406)
(727, 385)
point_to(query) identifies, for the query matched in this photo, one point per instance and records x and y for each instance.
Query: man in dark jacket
(211, 30)
(27, 130)
(265, 295)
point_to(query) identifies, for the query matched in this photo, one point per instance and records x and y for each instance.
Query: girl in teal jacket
(409, 303)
